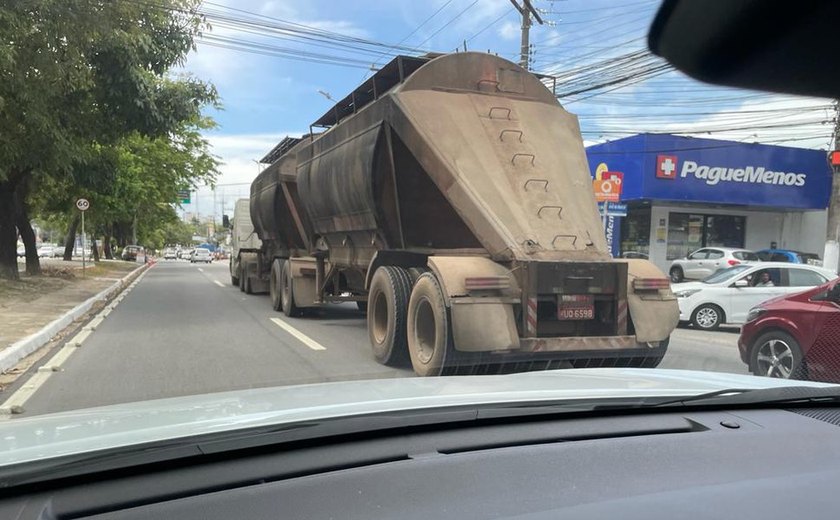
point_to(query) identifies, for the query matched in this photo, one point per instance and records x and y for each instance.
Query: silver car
(201, 254)
(706, 261)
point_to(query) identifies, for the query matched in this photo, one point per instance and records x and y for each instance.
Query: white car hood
(74, 432)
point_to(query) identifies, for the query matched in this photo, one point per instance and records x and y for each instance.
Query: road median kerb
(18, 350)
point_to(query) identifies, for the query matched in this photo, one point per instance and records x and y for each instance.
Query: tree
(78, 74)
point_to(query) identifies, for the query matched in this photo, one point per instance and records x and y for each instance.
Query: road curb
(18, 350)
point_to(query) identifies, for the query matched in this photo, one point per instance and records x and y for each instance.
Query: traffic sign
(184, 196)
(82, 204)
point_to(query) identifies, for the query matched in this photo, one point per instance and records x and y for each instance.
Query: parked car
(21, 251)
(728, 295)
(787, 255)
(795, 336)
(130, 253)
(46, 251)
(706, 261)
(201, 254)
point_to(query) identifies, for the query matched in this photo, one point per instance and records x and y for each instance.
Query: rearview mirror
(728, 43)
(742, 283)
(834, 293)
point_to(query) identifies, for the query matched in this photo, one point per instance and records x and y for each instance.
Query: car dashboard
(753, 463)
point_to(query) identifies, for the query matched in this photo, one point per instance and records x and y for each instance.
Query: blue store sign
(680, 169)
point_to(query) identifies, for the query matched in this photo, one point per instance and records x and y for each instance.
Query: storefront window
(690, 231)
(635, 233)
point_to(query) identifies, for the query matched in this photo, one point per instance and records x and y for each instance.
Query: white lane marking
(303, 338)
(14, 404)
(201, 270)
(217, 282)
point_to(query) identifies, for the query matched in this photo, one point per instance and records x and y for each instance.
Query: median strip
(303, 338)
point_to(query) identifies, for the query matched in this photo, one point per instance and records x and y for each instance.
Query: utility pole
(527, 11)
(831, 254)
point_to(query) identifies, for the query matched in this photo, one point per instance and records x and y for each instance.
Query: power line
(444, 26)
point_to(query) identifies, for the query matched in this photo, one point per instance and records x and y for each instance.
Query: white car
(706, 261)
(46, 251)
(201, 254)
(728, 295)
(169, 254)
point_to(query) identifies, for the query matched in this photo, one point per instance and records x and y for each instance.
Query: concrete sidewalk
(29, 305)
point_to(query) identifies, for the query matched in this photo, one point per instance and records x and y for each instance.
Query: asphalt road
(185, 330)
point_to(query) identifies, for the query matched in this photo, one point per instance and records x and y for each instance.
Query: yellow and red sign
(607, 185)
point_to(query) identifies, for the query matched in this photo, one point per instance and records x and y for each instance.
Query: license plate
(576, 313)
(575, 307)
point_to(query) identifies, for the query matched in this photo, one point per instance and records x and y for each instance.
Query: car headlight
(685, 293)
(754, 313)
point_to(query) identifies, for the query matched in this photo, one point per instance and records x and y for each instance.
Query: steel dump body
(468, 158)
(504, 171)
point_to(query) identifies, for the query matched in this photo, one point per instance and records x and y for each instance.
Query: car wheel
(707, 317)
(677, 274)
(777, 354)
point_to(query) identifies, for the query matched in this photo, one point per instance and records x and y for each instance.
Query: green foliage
(76, 73)
(89, 107)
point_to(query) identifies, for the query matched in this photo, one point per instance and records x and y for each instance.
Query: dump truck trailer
(245, 248)
(450, 197)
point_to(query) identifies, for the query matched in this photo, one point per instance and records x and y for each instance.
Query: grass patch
(57, 276)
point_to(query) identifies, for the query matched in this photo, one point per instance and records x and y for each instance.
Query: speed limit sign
(82, 204)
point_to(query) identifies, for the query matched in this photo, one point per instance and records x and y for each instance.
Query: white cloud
(509, 31)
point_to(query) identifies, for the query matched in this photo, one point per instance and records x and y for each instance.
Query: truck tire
(287, 294)
(234, 280)
(274, 284)
(390, 288)
(246, 279)
(429, 334)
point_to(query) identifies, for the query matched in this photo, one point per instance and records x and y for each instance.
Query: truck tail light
(474, 283)
(732, 262)
(651, 284)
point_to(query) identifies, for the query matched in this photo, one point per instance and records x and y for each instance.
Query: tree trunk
(106, 247)
(27, 234)
(8, 231)
(94, 249)
(70, 241)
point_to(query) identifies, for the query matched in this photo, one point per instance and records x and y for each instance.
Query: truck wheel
(386, 314)
(287, 295)
(429, 337)
(246, 279)
(274, 284)
(234, 280)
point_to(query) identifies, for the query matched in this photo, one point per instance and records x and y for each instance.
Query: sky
(267, 95)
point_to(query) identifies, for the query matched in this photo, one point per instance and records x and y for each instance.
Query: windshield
(726, 274)
(201, 197)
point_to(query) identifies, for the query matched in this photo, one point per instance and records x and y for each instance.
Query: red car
(795, 336)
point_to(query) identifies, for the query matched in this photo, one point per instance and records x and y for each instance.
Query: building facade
(686, 193)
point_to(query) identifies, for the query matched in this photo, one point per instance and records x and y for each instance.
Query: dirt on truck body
(450, 196)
